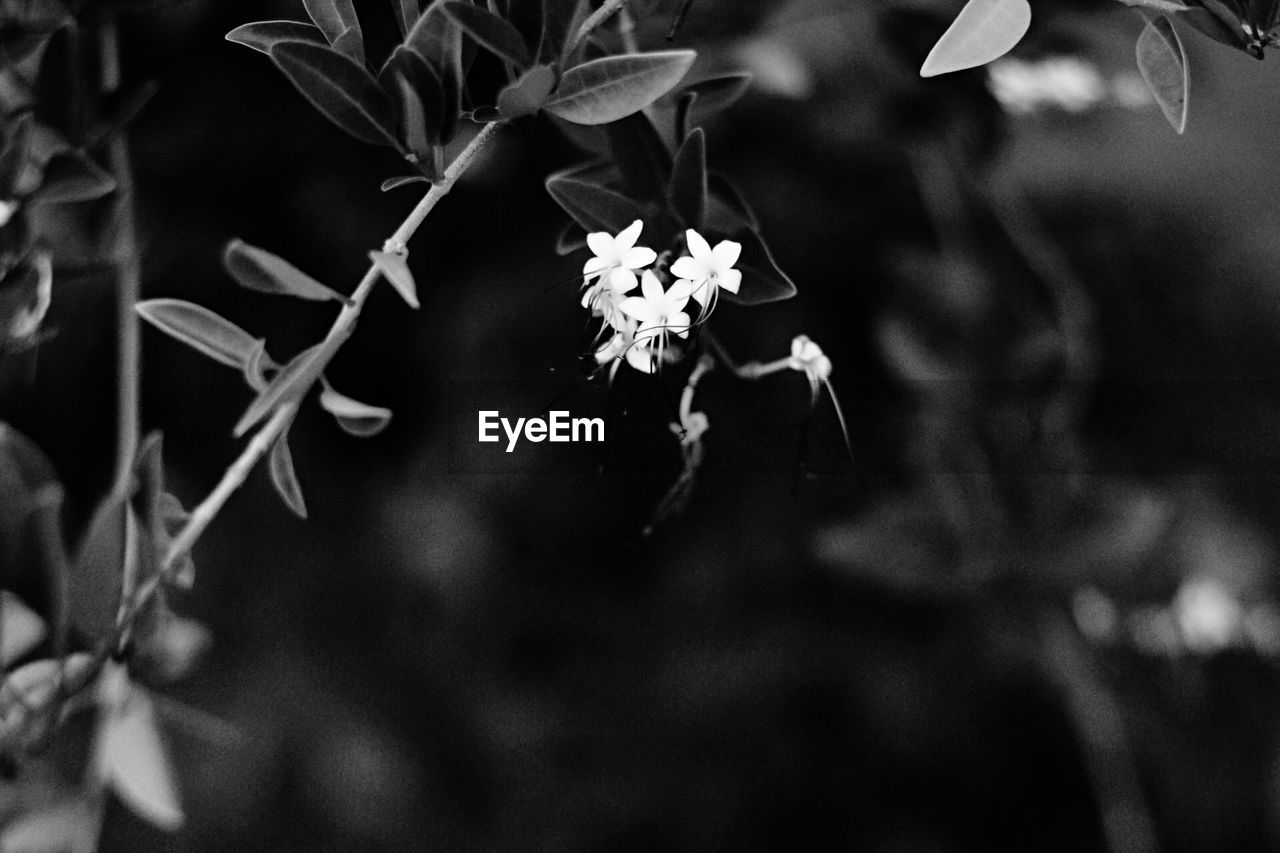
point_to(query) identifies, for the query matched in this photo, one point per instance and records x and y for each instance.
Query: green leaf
(200, 328)
(396, 271)
(21, 630)
(1216, 21)
(420, 98)
(73, 177)
(592, 206)
(1163, 65)
(560, 18)
(288, 385)
(490, 31)
(641, 157)
(134, 763)
(1170, 6)
(337, 20)
(438, 40)
(407, 12)
(527, 95)
(689, 180)
(93, 588)
(403, 181)
(712, 95)
(257, 365)
(260, 270)
(343, 91)
(614, 87)
(284, 478)
(983, 31)
(358, 419)
(13, 156)
(762, 279)
(263, 35)
(570, 239)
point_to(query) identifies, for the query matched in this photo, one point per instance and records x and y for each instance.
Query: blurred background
(1034, 612)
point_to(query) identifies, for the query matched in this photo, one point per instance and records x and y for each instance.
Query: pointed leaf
(289, 384)
(762, 279)
(570, 239)
(345, 92)
(527, 95)
(337, 20)
(200, 328)
(257, 365)
(73, 177)
(1218, 23)
(689, 180)
(490, 31)
(13, 157)
(718, 93)
(402, 181)
(1170, 6)
(642, 158)
(438, 40)
(983, 31)
(95, 582)
(396, 271)
(614, 87)
(407, 12)
(358, 419)
(1163, 65)
(135, 765)
(727, 211)
(594, 207)
(263, 35)
(420, 98)
(21, 630)
(285, 479)
(260, 270)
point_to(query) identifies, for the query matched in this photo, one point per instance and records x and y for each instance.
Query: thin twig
(607, 10)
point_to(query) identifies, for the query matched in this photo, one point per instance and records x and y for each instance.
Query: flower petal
(726, 254)
(651, 288)
(594, 265)
(687, 267)
(621, 281)
(639, 308)
(678, 296)
(627, 237)
(698, 246)
(601, 243)
(678, 324)
(640, 256)
(730, 280)
(641, 358)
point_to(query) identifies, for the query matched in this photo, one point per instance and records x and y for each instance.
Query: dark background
(458, 652)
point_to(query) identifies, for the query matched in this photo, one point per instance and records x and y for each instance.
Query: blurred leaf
(134, 764)
(1163, 65)
(983, 31)
(716, 94)
(121, 108)
(420, 98)
(260, 270)
(200, 328)
(571, 239)
(689, 180)
(1219, 23)
(403, 181)
(35, 683)
(560, 18)
(358, 419)
(72, 826)
(641, 157)
(345, 92)
(613, 87)
(285, 479)
(492, 32)
(13, 156)
(727, 211)
(406, 14)
(594, 207)
(396, 271)
(257, 365)
(289, 384)
(263, 35)
(914, 358)
(1172, 6)
(762, 279)
(337, 20)
(528, 94)
(94, 586)
(21, 630)
(72, 178)
(438, 40)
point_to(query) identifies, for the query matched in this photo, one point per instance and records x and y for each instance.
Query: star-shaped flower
(659, 313)
(707, 270)
(616, 258)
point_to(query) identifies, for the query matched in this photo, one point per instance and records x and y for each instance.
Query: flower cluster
(642, 323)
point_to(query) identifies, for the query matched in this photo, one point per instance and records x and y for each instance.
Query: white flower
(808, 358)
(616, 259)
(7, 210)
(659, 312)
(617, 346)
(706, 270)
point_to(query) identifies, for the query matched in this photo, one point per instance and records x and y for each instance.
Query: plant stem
(342, 328)
(128, 269)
